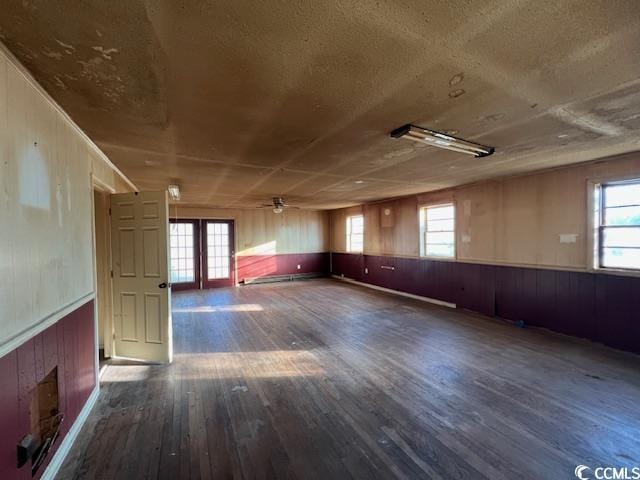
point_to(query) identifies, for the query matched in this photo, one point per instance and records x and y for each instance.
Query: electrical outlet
(366, 270)
(298, 267)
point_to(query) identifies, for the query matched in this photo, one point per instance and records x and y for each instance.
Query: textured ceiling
(239, 101)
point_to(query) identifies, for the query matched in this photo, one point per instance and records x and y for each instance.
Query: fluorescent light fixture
(441, 140)
(174, 192)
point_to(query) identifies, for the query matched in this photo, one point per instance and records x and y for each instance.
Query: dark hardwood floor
(321, 379)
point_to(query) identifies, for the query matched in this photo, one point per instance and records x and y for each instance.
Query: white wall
(46, 245)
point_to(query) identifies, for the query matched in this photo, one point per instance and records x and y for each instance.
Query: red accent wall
(601, 307)
(259, 266)
(70, 345)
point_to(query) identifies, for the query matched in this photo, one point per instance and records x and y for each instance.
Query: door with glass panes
(184, 252)
(218, 253)
(202, 254)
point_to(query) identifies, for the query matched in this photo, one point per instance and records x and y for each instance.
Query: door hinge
(109, 211)
(111, 273)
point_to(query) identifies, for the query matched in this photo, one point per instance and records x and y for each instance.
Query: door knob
(163, 285)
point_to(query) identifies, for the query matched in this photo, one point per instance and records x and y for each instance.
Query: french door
(184, 242)
(202, 253)
(218, 253)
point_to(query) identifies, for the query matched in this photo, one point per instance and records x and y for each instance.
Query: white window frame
(596, 226)
(422, 219)
(349, 235)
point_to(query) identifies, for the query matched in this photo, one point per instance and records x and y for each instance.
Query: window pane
(622, 194)
(621, 237)
(622, 216)
(355, 224)
(440, 225)
(440, 250)
(355, 233)
(440, 237)
(444, 212)
(621, 257)
(356, 243)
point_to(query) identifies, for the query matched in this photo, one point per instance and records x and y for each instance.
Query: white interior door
(141, 289)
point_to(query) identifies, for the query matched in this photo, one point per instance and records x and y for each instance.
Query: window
(355, 233)
(437, 227)
(181, 242)
(617, 207)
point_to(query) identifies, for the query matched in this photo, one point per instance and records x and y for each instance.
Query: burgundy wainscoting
(596, 306)
(348, 264)
(617, 310)
(477, 288)
(559, 300)
(69, 344)
(261, 266)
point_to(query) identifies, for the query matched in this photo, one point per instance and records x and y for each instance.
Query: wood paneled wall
(262, 232)
(511, 221)
(46, 169)
(67, 345)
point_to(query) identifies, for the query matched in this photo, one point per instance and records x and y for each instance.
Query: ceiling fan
(278, 205)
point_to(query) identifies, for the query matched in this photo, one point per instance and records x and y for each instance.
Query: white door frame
(98, 185)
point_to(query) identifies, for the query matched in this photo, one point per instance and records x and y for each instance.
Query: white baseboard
(72, 434)
(396, 292)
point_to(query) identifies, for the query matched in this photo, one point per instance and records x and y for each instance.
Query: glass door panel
(218, 250)
(184, 252)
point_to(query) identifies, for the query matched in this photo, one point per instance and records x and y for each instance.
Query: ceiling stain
(87, 73)
(69, 49)
(456, 79)
(246, 100)
(494, 117)
(107, 53)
